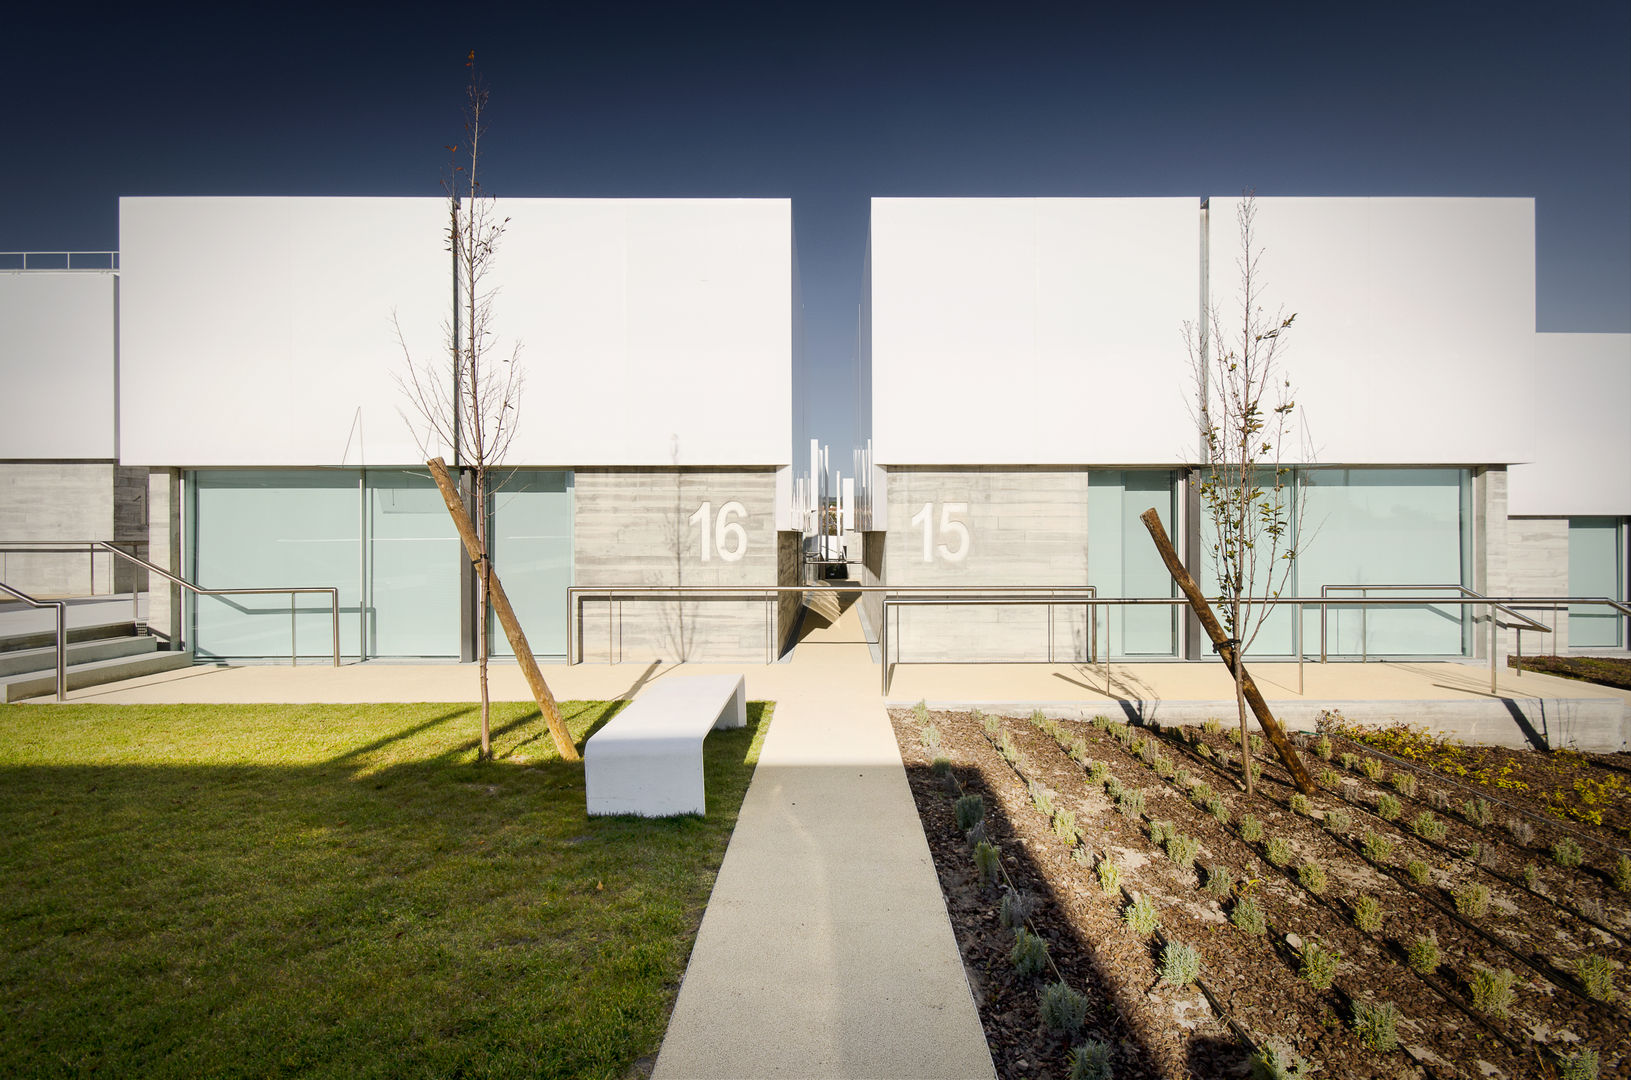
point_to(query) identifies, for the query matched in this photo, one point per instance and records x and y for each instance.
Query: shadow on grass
(337, 889)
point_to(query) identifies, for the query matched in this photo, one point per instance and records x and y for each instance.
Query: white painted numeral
(949, 529)
(728, 537)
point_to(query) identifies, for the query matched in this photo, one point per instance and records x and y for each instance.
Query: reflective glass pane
(1122, 561)
(531, 527)
(413, 567)
(1596, 551)
(1270, 632)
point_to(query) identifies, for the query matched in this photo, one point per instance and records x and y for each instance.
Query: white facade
(1579, 401)
(57, 340)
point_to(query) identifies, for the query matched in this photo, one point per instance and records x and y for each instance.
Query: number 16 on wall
(729, 538)
(955, 531)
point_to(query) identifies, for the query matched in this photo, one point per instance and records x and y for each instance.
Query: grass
(339, 891)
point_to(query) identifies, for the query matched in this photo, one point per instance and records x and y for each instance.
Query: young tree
(1245, 410)
(468, 401)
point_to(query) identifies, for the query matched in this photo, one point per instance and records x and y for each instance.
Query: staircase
(103, 653)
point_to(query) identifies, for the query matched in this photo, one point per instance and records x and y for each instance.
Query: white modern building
(1028, 394)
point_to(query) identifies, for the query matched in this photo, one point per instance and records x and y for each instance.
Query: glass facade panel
(1121, 560)
(270, 528)
(1386, 526)
(1275, 636)
(413, 567)
(530, 521)
(1596, 568)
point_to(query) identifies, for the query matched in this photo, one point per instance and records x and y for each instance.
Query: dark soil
(1539, 933)
(1608, 670)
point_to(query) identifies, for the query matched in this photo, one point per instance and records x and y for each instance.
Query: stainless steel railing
(1496, 607)
(62, 632)
(199, 590)
(58, 260)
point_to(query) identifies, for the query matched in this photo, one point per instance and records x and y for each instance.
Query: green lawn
(337, 890)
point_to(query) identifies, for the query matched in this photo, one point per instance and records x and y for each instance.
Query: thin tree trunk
(1240, 710)
(483, 588)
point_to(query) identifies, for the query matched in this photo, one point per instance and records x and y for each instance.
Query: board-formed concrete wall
(986, 527)
(71, 500)
(690, 527)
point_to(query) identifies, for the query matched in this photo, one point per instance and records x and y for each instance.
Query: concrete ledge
(648, 759)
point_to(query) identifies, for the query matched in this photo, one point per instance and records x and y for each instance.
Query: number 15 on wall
(956, 532)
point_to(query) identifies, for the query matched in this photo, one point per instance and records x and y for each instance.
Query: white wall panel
(57, 364)
(1576, 412)
(1415, 334)
(1031, 331)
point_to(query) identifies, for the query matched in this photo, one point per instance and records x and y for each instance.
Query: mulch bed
(1608, 670)
(1539, 933)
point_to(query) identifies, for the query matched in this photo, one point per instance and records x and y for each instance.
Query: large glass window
(413, 567)
(1121, 560)
(1596, 568)
(530, 521)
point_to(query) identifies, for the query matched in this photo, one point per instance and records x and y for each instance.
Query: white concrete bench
(648, 759)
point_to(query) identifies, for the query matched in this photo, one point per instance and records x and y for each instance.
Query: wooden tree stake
(1226, 649)
(505, 613)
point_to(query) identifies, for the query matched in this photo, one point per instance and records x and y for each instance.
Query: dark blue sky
(833, 103)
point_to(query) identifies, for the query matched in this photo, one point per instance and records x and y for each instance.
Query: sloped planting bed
(1384, 866)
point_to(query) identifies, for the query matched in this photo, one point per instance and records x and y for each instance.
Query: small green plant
(1338, 822)
(931, 736)
(1621, 873)
(1016, 908)
(1438, 800)
(1471, 900)
(1531, 877)
(1212, 726)
(1311, 875)
(1322, 747)
(1181, 778)
(1112, 787)
(1042, 798)
(1029, 954)
(1218, 809)
(941, 766)
(1405, 784)
(1475, 852)
(1180, 964)
(1330, 779)
(1256, 743)
(1278, 851)
(1299, 804)
(1081, 856)
(1097, 771)
(977, 835)
(1220, 882)
(1063, 1009)
(1388, 808)
(1160, 831)
(987, 862)
(1367, 911)
(1596, 973)
(1065, 827)
(1319, 965)
(1377, 848)
(1201, 792)
(992, 726)
(1492, 991)
(1182, 849)
(1091, 1061)
(1350, 762)
(1478, 811)
(1418, 871)
(1131, 802)
(1164, 768)
(1248, 916)
(1567, 854)
(1580, 1065)
(1257, 771)
(1275, 1062)
(970, 810)
(1009, 751)
(1428, 826)
(1204, 751)
(1078, 751)
(1141, 916)
(1251, 830)
(1109, 876)
(1377, 1025)
(1374, 770)
(1422, 954)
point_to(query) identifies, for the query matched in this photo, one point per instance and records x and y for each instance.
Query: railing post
(1492, 633)
(334, 612)
(62, 651)
(294, 652)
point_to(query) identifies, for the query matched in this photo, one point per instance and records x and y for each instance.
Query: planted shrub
(1422, 954)
(1212, 726)
(931, 737)
(1492, 991)
(1201, 792)
(1418, 871)
(1367, 913)
(1081, 856)
(1622, 873)
(1405, 784)
(1338, 821)
(1097, 771)
(1388, 808)
(1299, 804)
(1257, 772)
(1160, 832)
(1531, 877)
(1580, 1065)
(1063, 1009)
(1330, 779)
(1251, 830)
(1109, 876)
(1377, 1025)
(1042, 798)
(1180, 964)
(987, 862)
(1377, 848)
(1471, 900)
(1522, 832)
(1428, 827)
(992, 726)
(1319, 965)
(1322, 747)
(1131, 802)
(1016, 908)
(970, 809)
(1438, 800)
(1218, 809)
(1204, 750)
(1181, 778)
(1278, 851)
(1064, 825)
(1091, 1061)
(1374, 770)
(1141, 916)
(1112, 787)
(1009, 752)
(1247, 915)
(1078, 750)
(1256, 743)
(1029, 955)
(1220, 882)
(941, 766)
(1478, 811)
(1182, 849)
(977, 835)
(1350, 761)
(1596, 973)
(921, 711)
(1567, 854)
(1275, 1062)
(1311, 876)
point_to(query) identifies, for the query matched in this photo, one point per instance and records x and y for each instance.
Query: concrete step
(18, 661)
(94, 673)
(39, 639)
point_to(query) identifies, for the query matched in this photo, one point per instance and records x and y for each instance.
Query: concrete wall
(987, 526)
(790, 572)
(644, 527)
(1538, 565)
(66, 500)
(57, 375)
(1578, 410)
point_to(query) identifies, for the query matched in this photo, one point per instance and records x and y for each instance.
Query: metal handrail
(198, 590)
(1495, 606)
(62, 633)
(112, 258)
